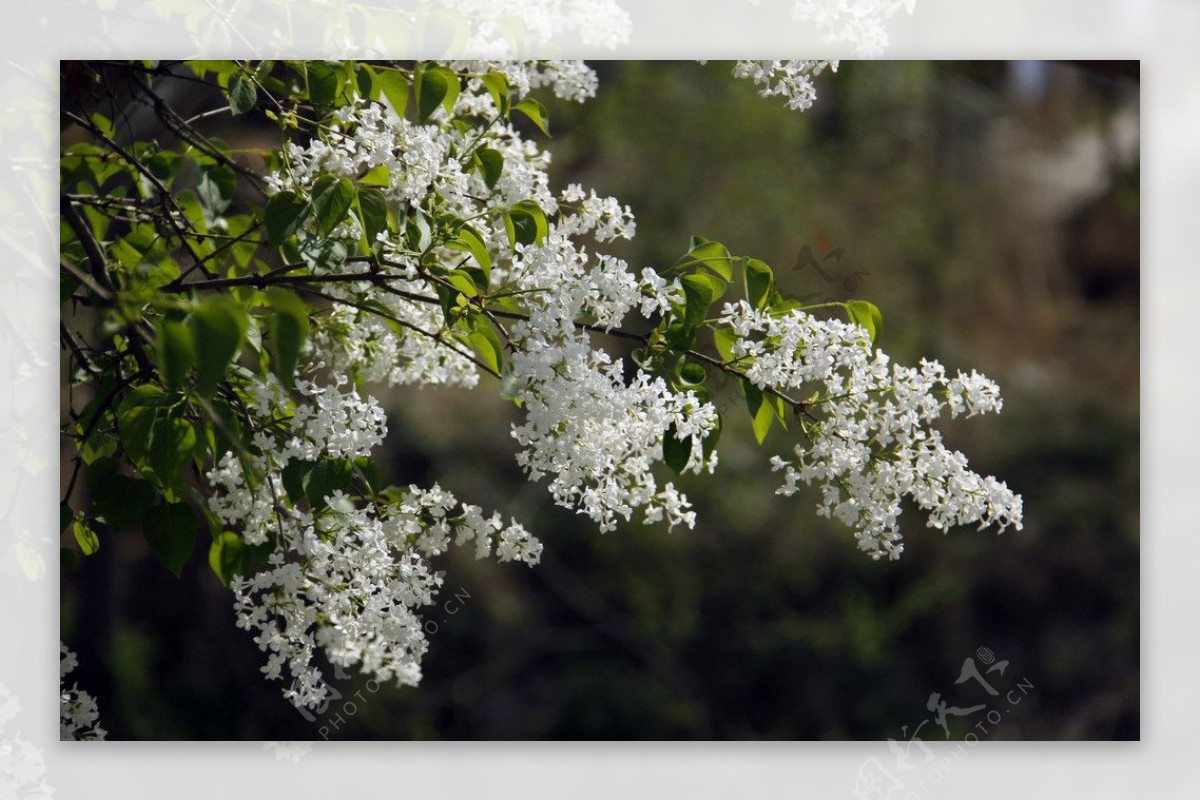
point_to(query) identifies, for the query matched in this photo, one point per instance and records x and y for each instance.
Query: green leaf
(700, 290)
(416, 228)
(526, 224)
(104, 124)
(170, 529)
(136, 415)
(367, 80)
(372, 211)
(124, 501)
(324, 83)
(711, 254)
(324, 478)
(331, 199)
(228, 556)
(536, 112)
(215, 190)
(762, 414)
(759, 281)
(176, 353)
(284, 215)
(242, 94)
(89, 543)
(436, 86)
(377, 176)
(288, 330)
(779, 406)
(463, 282)
(118, 499)
(676, 450)
(366, 469)
(294, 476)
(395, 89)
(320, 254)
(866, 314)
(724, 338)
(243, 251)
(689, 374)
(486, 343)
(230, 434)
(172, 443)
(218, 326)
(497, 85)
(491, 165)
(679, 336)
(469, 241)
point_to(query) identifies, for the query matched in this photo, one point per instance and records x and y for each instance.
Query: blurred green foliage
(765, 621)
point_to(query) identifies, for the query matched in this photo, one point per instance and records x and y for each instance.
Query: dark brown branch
(76, 350)
(180, 128)
(380, 280)
(102, 284)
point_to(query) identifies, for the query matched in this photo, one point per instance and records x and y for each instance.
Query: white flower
(789, 79)
(868, 425)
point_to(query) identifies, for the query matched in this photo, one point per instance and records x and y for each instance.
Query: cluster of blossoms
(857, 22)
(350, 578)
(595, 434)
(349, 574)
(868, 424)
(789, 79)
(79, 717)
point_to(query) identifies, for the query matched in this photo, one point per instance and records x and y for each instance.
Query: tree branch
(164, 193)
(99, 282)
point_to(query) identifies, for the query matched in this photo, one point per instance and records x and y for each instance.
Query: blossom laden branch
(411, 238)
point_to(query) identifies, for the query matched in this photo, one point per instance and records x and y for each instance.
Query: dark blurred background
(991, 210)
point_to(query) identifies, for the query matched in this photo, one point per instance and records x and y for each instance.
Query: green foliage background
(763, 622)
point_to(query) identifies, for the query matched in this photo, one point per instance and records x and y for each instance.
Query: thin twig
(164, 193)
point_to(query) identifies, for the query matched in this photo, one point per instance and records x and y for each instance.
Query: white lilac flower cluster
(789, 79)
(352, 582)
(363, 345)
(860, 23)
(869, 425)
(79, 717)
(597, 434)
(350, 579)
